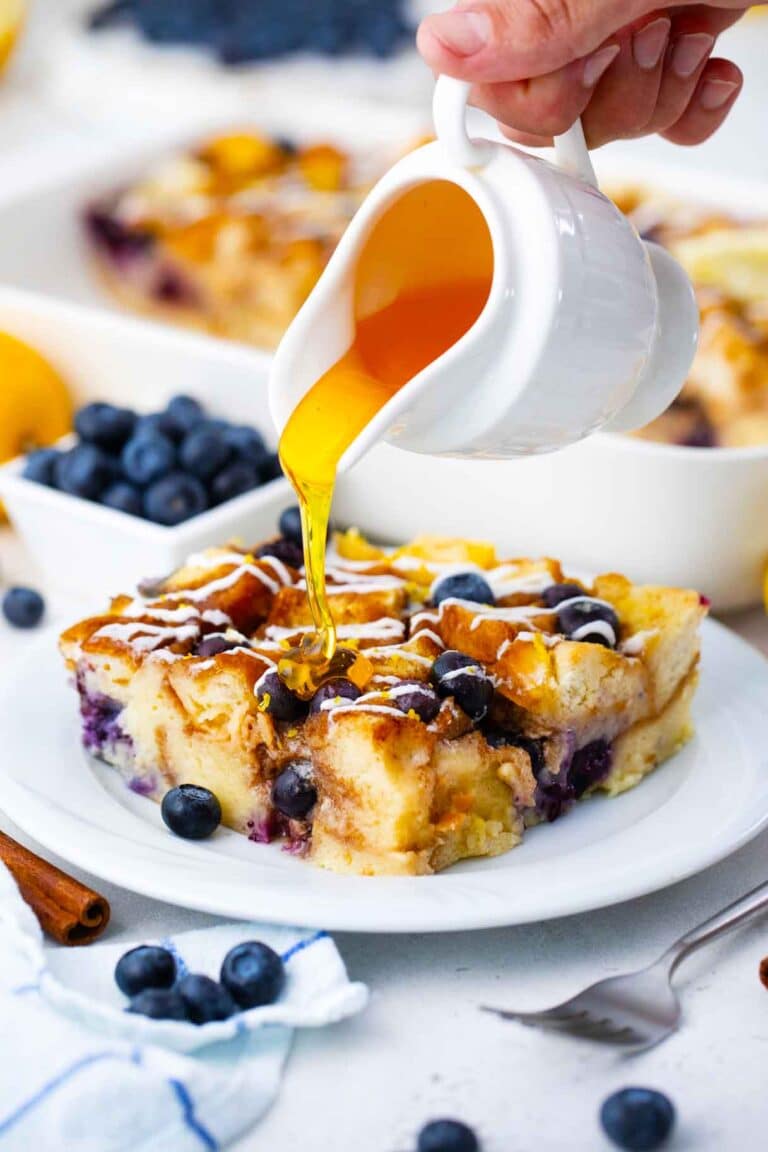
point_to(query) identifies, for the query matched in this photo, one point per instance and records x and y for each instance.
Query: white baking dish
(685, 516)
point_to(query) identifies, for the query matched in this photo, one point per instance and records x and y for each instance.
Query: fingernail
(596, 64)
(463, 33)
(715, 93)
(690, 52)
(649, 43)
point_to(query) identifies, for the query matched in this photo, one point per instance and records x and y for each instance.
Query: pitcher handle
(449, 111)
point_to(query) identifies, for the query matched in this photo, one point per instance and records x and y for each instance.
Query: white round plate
(693, 811)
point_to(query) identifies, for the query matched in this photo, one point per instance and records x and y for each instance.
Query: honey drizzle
(422, 281)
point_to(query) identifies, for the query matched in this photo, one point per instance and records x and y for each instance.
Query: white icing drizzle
(428, 634)
(634, 645)
(430, 617)
(383, 629)
(137, 608)
(224, 582)
(147, 637)
(595, 628)
(470, 670)
(502, 648)
(506, 581)
(379, 708)
(383, 580)
(206, 560)
(385, 679)
(359, 588)
(278, 568)
(386, 650)
(217, 618)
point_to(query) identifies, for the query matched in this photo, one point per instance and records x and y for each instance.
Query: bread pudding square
(473, 716)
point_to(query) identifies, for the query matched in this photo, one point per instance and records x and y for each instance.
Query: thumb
(487, 41)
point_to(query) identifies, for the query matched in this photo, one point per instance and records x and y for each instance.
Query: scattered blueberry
(638, 1119)
(497, 738)
(40, 466)
(191, 812)
(122, 243)
(293, 793)
(589, 766)
(577, 614)
(557, 593)
(464, 586)
(332, 689)
(253, 974)
(216, 643)
(420, 698)
(447, 1136)
(463, 678)
(185, 412)
(147, 966)
(123, 497)
(233, 481)
(174, 499)
(277, 700)
(205, 999)
(287, 551)
(289, 524)
(158, 424)
(84, 471)
(204, 452)
(159, 1004)
(147, 458)
(23, 607)
(105, 425)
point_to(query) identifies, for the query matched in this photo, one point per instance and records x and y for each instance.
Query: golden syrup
(421, 282)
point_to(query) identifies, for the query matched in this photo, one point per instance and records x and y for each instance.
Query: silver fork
(641, 1008)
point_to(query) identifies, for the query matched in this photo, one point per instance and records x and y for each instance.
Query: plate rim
(110, 866)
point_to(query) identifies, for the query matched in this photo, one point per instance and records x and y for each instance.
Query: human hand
(626, 67)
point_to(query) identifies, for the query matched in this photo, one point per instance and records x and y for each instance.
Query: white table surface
(423, 1047)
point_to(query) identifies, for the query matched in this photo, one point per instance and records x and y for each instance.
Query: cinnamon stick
(67, 910)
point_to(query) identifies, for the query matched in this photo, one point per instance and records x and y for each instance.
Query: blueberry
(589, 766)
(191, 812)
(147, 966)
(204, 452)
(215, 643)
(638, 1119)
(384, 31)
(190, 22)
(556, 593)
(463, 678)
(122, 243)
(277, 700)
(175, 498)
(205, 999)
(421, 699)
(123, 498)
(497, 738)
(147, 458)
(40, 466)
(332, 689)
(185, 412)
(23, 607)
(285, 550)
(271, 469)
(253, 974)
(583, 612)
(84, 471)
(451, 661)
(447, 1136)
(171, 287)
(294, 794)
(289, 524)
(247, 444)
(110, 13)
(234, 480)
(158, 424)
(464, 586)
(105, 425)
(159, 1004)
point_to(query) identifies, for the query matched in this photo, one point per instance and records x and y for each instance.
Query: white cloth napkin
(79, 1073)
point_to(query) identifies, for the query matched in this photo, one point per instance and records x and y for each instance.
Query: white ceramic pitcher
(585, 325)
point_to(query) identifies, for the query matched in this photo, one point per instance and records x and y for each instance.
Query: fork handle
(737, 913)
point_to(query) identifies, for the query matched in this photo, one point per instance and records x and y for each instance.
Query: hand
(626, 67)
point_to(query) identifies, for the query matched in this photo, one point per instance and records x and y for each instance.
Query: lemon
(35, 405)
(735, 260)
(11, 14)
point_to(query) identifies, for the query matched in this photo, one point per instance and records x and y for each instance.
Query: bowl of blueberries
(132, 494)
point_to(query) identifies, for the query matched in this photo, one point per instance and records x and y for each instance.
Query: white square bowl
(84, 547)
